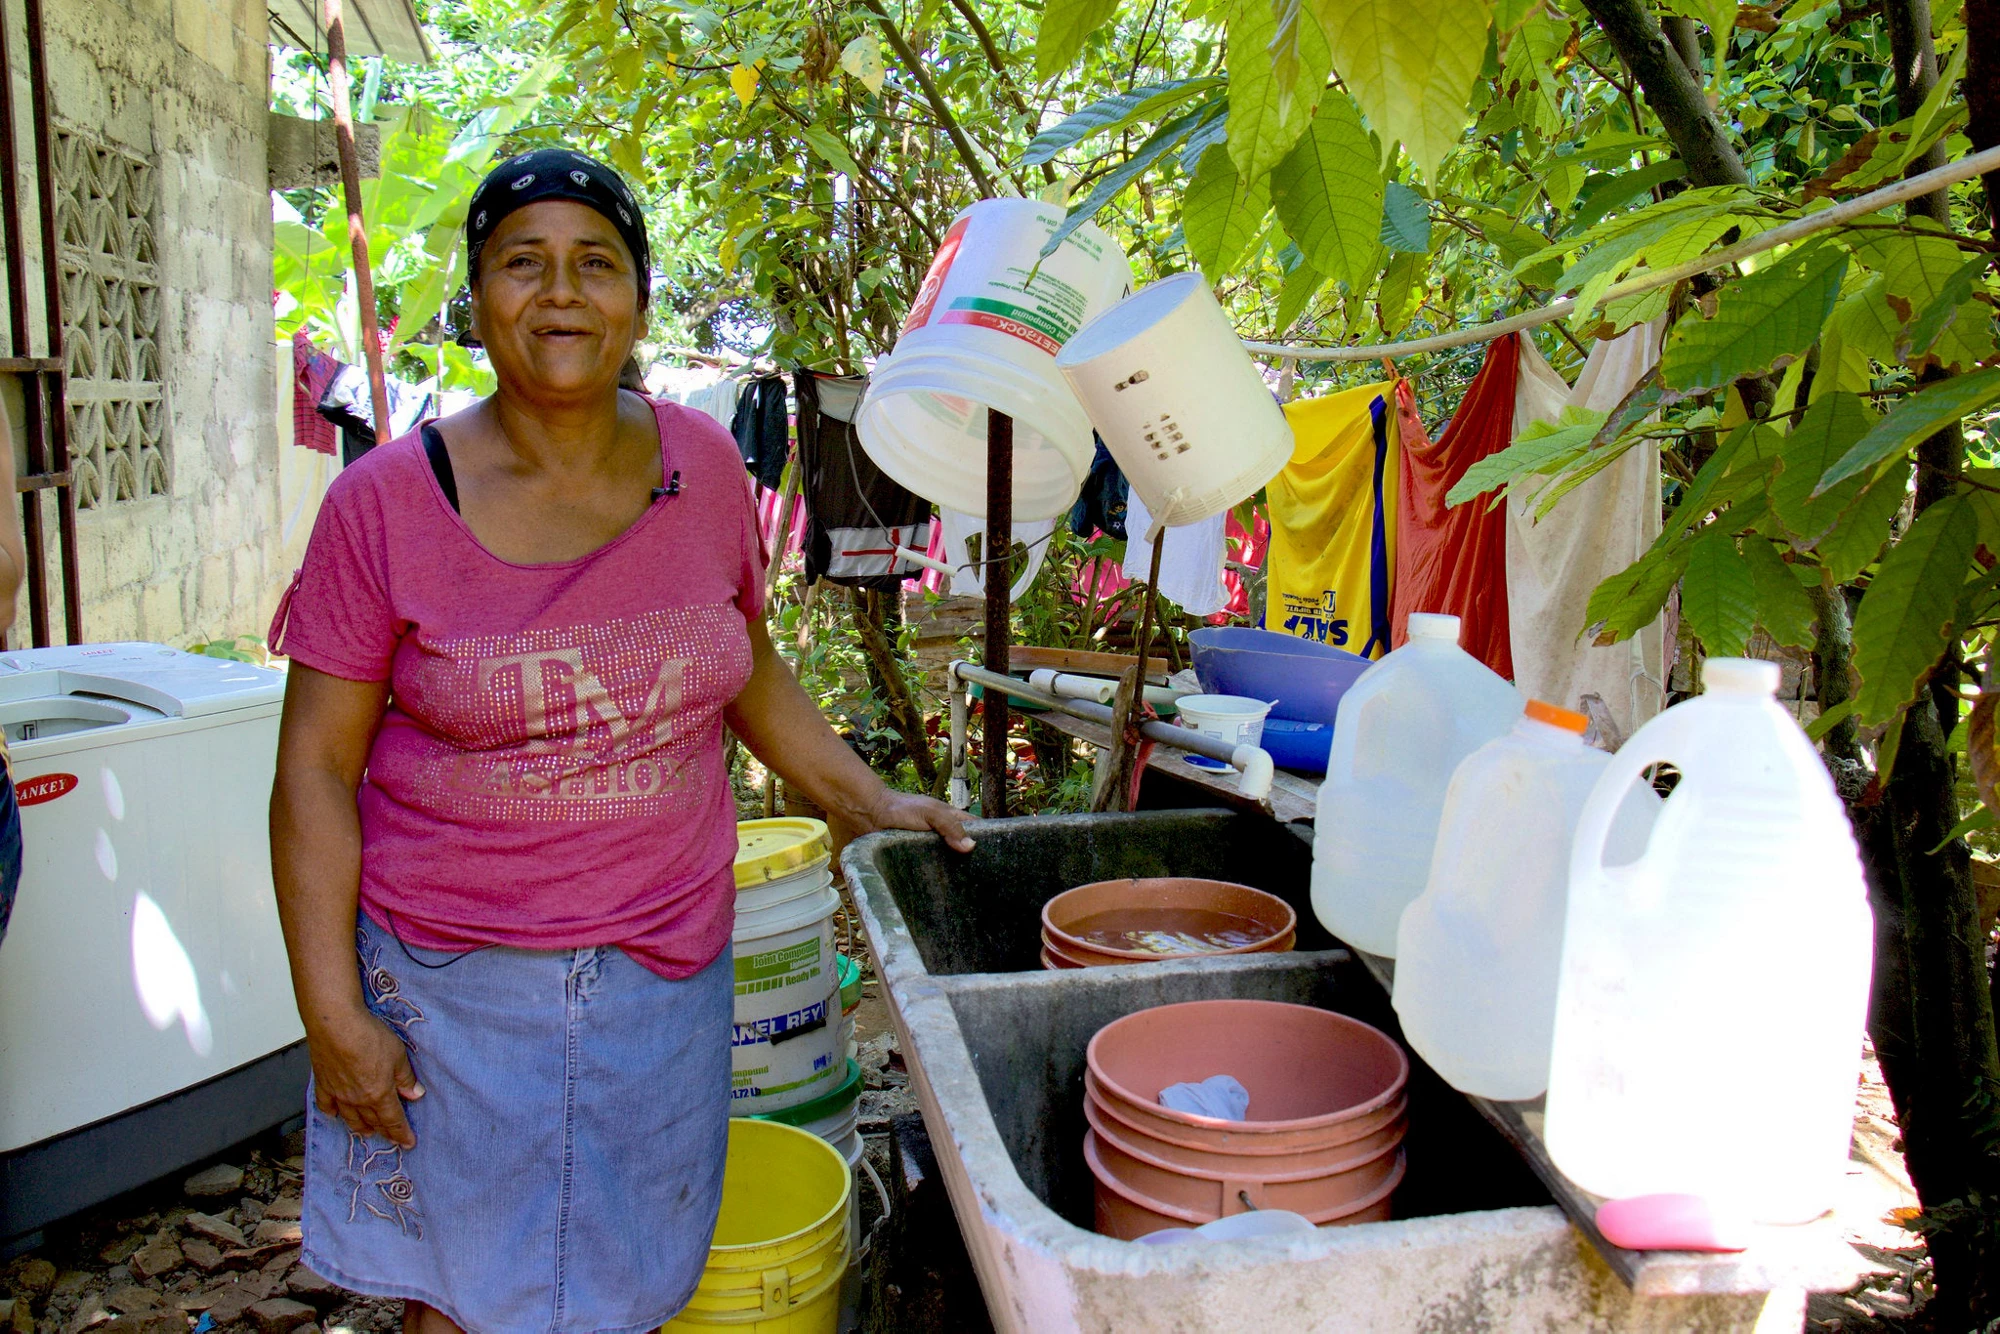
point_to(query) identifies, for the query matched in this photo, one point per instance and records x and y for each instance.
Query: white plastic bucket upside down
(983, 334)
(1180, 404)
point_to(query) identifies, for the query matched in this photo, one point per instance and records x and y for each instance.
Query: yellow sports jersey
(1333, 522)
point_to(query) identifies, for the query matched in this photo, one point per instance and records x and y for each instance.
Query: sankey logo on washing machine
(35, 791)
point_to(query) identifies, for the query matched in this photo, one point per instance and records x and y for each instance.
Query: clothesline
(1978, 164)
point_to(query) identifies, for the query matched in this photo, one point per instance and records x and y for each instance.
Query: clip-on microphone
(672, 488)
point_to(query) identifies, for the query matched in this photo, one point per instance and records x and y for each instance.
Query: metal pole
(993, 555)
(17, 313)
(58, 413)
(357, 231)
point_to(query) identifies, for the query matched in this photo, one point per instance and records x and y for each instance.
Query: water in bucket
(983, 334)
(1712, 992)
(1402, 729)
(1178, 400)
(1477, 953)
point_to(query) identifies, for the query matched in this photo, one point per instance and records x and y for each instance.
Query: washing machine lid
(165, 680)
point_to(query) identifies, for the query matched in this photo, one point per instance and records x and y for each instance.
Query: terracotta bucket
(1128, 1214)
(1316, 1190)
(1309, 1072)
(1167, 901)
(1373, 1135)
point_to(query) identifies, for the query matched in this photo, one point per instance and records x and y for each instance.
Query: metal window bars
(43, 385)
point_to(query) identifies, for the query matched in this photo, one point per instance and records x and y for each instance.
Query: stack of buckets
(1327, 1098)
(782, 1239)
(788, 1226)
(785, 1050)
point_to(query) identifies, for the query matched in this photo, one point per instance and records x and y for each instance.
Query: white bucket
(1234, 720)
(1179, 402)
(807, 880)
(785, 1047)
(983, 334)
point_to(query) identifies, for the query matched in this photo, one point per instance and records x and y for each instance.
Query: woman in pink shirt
(502, 829)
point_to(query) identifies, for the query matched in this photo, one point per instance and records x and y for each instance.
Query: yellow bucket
(780, 1246)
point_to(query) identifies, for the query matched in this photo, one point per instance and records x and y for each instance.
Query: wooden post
(1113, 786)
(357, 231)
(993, 554)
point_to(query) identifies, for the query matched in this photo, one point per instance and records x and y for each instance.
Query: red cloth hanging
(1454, 560)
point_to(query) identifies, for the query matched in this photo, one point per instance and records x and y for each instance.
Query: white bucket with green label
(984, 333)
(785, 1045)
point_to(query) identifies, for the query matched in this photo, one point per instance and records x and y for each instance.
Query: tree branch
(1674, 94)
(923, 77)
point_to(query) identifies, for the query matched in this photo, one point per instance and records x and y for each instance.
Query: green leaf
(1783, 608)
(1863, 526)
(1718, 596)
(1828, 430)
(828, 145)
(1065, 24)
(1213, 129)
(1110, 114)
(1776, 311)
(1114, 182)
(1881, 155)
(1630, 600)
(1302, 284)
(1541, 448)
(1700, 496)
(1981, 819)
(1220, 213)
(1401, 291)
(1916, 418)
(1406, 220)
(1865, 321)
(1604, 193)
(1829, 720)
(1411, 66)
(1905, 622)
(1265, 120)
(1944, 308)
(1328, 193)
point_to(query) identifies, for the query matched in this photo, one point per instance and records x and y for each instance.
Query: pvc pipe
(920, 558)
(960, 792)
(1094, 689)
(1252, 762)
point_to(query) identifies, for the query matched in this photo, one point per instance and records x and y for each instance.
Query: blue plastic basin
(1306, 679)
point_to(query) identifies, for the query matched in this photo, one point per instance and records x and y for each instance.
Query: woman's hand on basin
(907, 810)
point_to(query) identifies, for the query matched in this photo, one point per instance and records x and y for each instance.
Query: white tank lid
(180, 685)
(1739, 676)
(1433, 625)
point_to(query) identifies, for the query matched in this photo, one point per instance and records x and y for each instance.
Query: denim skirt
(570, 1140)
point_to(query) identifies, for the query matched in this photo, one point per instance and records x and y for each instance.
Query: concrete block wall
(185, 84)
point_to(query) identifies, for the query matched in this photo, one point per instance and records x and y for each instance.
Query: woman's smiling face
(557, 300)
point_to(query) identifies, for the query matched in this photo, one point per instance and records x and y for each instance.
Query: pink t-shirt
(549, 771)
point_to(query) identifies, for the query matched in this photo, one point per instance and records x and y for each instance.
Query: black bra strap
(440, 458)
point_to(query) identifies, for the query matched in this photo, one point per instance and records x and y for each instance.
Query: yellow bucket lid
(773, 849)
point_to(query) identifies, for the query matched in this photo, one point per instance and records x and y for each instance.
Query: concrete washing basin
(995, 1048)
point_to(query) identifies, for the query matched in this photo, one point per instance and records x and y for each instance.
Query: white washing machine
(146, 1012)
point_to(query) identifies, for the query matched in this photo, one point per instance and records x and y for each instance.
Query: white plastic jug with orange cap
(1712, 992)
(1401, 730)
(1477, 953)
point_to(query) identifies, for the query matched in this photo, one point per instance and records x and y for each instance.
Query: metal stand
(994, 552)
(43, 387)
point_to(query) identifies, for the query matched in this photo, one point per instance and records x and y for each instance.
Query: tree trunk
(1982, 90)
(904, 715)
(1932, 1012)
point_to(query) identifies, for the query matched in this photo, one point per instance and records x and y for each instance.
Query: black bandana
(557, 173)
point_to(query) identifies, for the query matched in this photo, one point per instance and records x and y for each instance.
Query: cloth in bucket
(1220, 1096)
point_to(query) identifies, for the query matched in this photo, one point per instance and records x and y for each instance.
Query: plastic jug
(1477, 953)
(1401, 730)
(1712, 993)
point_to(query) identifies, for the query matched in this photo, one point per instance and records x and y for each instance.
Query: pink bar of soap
(1669, 1223)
